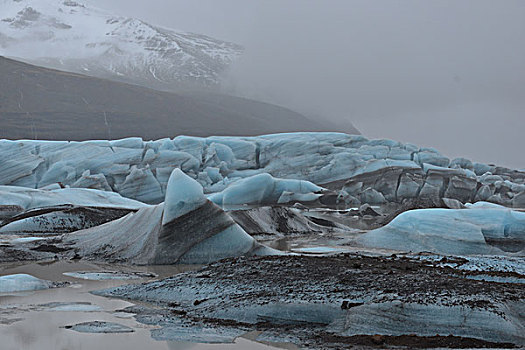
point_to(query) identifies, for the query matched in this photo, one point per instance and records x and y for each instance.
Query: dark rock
(366, 209)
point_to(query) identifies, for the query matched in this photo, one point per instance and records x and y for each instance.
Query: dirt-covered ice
(339, 300)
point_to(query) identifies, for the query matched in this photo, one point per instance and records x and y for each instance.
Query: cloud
(448, 72)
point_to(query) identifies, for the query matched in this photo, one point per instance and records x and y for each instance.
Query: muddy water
(323, 245)
(27, 323)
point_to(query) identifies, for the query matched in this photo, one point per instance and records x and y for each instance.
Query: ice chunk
(24, 240)
(195, 230)
(483, 193)
(372, 196)
(28, 198)
(140, 184)
(217, 152)
(109, 275)
(452, 231)
(287, 197)
(173, 159)
(71, 307)
(409, 185)
(489, 179)
(275, 220)
(130, 142)
(480, 168)
(131, 238)
(461, 188)
(96, 181)
(54, 222)
(192, 145)
(18, 168)
(318, 250)
(453, 203)
(519, 200)
(265, 189)
(185, 228)
(100, 327)
(231, 242)
(242, 149)
(481, 205)
(462, 163)
(214, 174)
(22, 283)
(395, 318)
(183, 195)
(431, 156)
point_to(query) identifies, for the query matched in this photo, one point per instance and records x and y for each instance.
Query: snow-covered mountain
(73, 36)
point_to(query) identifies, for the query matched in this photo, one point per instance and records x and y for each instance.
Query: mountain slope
(71, 36)
(42, 103)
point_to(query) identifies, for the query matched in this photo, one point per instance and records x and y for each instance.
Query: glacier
(409, 245)
(356, 169)
(85, 190)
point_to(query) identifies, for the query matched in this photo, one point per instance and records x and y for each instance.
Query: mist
(443, 74)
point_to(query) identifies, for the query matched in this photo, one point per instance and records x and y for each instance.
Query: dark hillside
(41, 103)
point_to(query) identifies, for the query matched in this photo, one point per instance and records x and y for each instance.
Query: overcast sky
(444, 73)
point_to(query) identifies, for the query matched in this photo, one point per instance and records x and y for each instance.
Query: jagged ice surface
(363, 170)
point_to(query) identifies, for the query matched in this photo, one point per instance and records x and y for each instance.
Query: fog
(449, 74)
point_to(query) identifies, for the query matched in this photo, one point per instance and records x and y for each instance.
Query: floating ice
(478, 230)
(71, 307)
(22, 283)
(318, 250)
(23, 240)
(100, 327)
(109, 275)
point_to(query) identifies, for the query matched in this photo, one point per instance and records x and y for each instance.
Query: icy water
(36, 320)
(316, 244)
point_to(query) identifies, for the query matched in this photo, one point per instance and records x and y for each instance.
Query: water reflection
(240, 343)
(32, 321)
